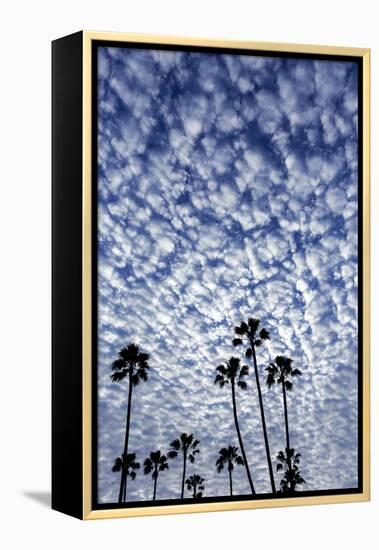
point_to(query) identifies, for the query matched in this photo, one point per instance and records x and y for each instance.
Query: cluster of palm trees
(280, 371)
(132, 364)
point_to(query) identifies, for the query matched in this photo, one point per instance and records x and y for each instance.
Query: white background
(27, 29)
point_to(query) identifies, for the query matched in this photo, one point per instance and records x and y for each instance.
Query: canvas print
(228, 359)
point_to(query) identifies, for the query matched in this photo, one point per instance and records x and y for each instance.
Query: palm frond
(118, 376)
(244, 371)
(264, 334)
(241, 329)
(175, 444)
(172, 454)
(143, 358)
(219, 379)
(147, 466)
(186, 439)
(296, 372)
(281, 456)
(130, 461)
(253, 325)
(221, 369)
(135, 380)
(236, 342)
(119, 364)
(270, 380)
(130, 353)
(143, 374)
(117, 465)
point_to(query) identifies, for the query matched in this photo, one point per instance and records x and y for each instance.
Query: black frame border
(95, 44)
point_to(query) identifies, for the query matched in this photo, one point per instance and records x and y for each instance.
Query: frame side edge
(66, 482)
(366, 95)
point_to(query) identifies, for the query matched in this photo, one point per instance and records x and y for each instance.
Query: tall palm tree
(155, 463)
(250, 334)
(131, 364)
(289, 461)
(195, 483)
(229, 456)
(281, 372)
(231, 373)
(129, 465)
(187, 446)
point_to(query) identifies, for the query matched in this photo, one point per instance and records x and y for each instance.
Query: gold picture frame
(85, 509)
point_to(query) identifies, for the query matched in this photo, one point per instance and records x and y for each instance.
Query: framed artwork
(210, 275)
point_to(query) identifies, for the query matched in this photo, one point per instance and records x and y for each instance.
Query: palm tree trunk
(230, 482)
(287, 432)
(240, 439)
(122, 493)
(125, 485)
(286, 416)
(184, 471)
(268, 456)
(194, 491)
(155, 486)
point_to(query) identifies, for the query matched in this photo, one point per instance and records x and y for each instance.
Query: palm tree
(229, 456)
(229, 374)
(248, 332)
(289, 461)
(131, 363)
(129, 466)
(155, 463)
(281, 371)
(187, 446)
(195, 483)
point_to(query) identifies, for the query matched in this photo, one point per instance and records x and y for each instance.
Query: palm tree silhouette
(128, 466)
(195, 483)
(289, 461)
(155, 463)
(229, 456)
(229, 374)
(187, 446)
(248, 333)
(133, 364)
(280, 372)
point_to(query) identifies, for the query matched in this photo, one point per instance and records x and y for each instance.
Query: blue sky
(227, 189)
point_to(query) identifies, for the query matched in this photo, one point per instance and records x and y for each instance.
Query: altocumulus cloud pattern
(227, 189)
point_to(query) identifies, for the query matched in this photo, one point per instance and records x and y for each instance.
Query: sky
(227, 188)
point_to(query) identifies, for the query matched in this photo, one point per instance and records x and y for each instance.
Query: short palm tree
(281, 372)
(233, 373)
(195, 484)
(155, 463)
(250, 334)
(133, 365)
(289, 462)
(228, 456)
(188, 447)
(129, 466)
